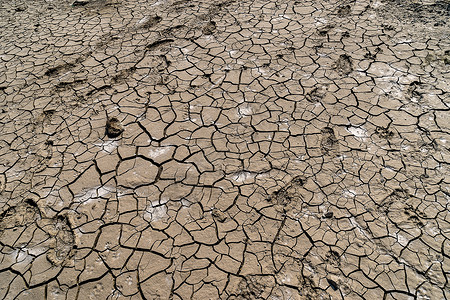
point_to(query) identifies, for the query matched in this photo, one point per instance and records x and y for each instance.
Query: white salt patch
(402, 240)
(154, 153)
(349, 193)
(262, 71)
(156, 211)
(321, 21)
(143, 20)
(376, 4)
(357, 131)
(242, 177)
(185, 202)
(108, 146)
(245, 111)
(92, 194)
(157, 3)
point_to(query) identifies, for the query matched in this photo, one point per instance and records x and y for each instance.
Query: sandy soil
(224, 149)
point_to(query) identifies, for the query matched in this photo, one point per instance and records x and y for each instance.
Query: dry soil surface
(224, 149)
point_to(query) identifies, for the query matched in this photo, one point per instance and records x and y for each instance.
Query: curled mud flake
(219, 215)
(329, 142)
(344, 64)
(113, 127)
(209, 28)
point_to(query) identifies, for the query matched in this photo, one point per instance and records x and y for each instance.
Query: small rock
(328, 215)
(220, 216)
(113, 127)
(333, 284)
(20, 8)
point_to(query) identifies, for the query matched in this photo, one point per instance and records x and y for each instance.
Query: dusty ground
(224, 149)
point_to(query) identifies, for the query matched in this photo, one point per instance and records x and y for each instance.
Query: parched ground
(224, 149)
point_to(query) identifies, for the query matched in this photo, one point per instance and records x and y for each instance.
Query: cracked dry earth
(224, 149)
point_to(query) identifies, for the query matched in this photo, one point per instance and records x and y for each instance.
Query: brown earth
(224, 149)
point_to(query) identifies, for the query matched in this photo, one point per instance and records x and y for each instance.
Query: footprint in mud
(23, 214)
(58, 69)
(399, 212)
(446, 56)
(309, 288)
(18, 224)
(159, 44)
(122, 75)
(316, 94)
(344, 64)
(62, 240)
(209, 28)
(329, 143)
(288, 193)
